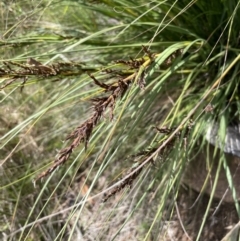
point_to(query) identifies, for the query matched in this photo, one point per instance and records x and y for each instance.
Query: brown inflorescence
(134, 71)
(143, 156)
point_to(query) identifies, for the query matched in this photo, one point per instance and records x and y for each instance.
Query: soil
(221, 218)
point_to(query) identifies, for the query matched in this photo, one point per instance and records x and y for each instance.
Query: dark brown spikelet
(80, 135)
(132, 64)
(125, 183)
(12, 72)
(83, 132)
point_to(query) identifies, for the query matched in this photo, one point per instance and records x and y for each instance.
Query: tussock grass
(106, 101)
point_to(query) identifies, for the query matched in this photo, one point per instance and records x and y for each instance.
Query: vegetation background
(102, 106)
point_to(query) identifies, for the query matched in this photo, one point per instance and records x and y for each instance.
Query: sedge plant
(104, 105)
